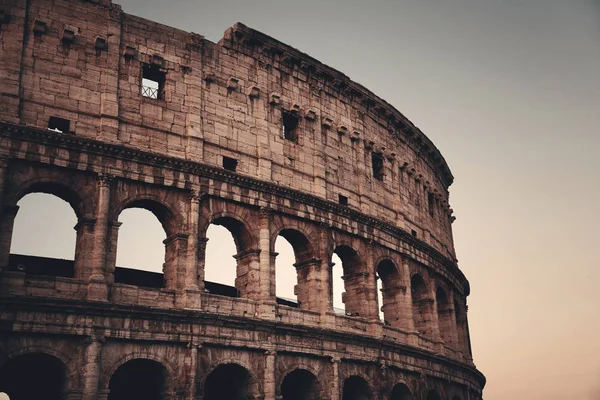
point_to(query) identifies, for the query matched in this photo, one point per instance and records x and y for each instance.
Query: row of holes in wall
(153, 80)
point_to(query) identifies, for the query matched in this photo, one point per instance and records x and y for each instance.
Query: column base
(189, 299)
(97, 291)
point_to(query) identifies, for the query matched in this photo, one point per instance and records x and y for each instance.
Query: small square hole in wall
(153, 82)
(377, 161)
(343, 200)
(229, 163)
(289, 125)
(57, 124)
(413, 232)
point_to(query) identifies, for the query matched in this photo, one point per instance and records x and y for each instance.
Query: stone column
(309, 285)
(111, 252)
(407, 314)
(325, 290)
(335, 379)
(188, 278)
(97, 288)
(435, 323)
(7, 222)
(91, 368)
(371, 310)
(269, 378)
(83, 244)
(7, 217)
(201, 262)
(248, 274)
(267, 269)
(175, 252)
(453, 326)
(193, 371)
(190, 275)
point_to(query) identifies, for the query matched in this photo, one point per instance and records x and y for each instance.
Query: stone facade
(109, 111)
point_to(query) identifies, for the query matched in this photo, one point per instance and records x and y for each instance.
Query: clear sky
(509, 91)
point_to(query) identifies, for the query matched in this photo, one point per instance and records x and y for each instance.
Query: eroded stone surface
(247, 133)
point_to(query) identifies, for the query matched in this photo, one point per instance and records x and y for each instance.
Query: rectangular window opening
(153, 82)
(413, 232)
(343, 200)
(377, 161)
(289, 125)
(60, 125)
(230, 164)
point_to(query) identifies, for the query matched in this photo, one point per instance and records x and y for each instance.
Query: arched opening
(444, 312)
(286, 276)
(141, 249)
(353, 296)
(295, 270)
(223, 275)
(400, 392)
(356, 388)
(34, 376)
(422, 306)
(433, 395)
(43, 239)
(336, 283)
(390, 293)
(138, 379)
(300, 384)
(229, 382)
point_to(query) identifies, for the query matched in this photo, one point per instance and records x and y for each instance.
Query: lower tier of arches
(118, 353)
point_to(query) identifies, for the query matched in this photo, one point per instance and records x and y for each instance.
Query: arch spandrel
(79, 190)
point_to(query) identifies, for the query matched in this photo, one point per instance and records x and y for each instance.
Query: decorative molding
(91, 146)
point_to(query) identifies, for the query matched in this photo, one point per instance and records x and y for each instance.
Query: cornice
(72, 142)
(187, 317)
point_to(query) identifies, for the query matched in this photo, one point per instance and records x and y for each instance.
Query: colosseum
(108, 111)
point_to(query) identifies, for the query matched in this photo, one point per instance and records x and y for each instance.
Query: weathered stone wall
(83, 62)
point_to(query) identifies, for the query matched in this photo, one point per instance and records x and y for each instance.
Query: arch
(229, 381)
(391, 292)
(71, 188)
(134, 356)
(34, 375)
(242, 236)
(300, 384)
(73, 373)
(56, 187)
(246, 256)
(139, 378)
(355, 281)
(356, 388)
(280, 376)
(298, 239)
(401, 392)
(170, 220)
(422, 305)
(43, 241)
(444, 312)
(302, 267)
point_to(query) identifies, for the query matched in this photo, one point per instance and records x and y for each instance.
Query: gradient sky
(509, 91)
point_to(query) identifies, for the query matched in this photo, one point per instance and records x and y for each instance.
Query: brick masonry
(250, 134)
